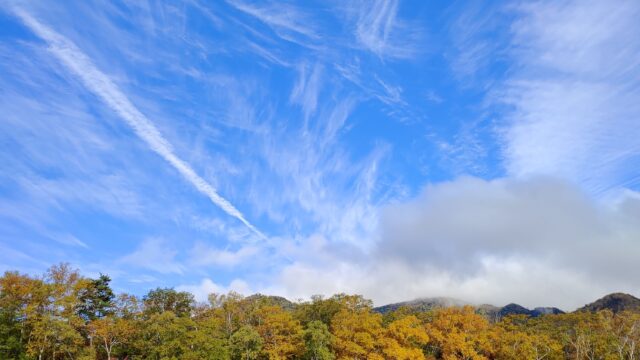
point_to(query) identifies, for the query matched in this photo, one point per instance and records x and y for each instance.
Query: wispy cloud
(378, 29)
(204, 255)
(291, 111)
(307, 88)
(100, 84)
(280, 17)
(475, 41)
(375, 24)
(69, 239)
(392, 95)
(207, 286)
(337, 196)
(573, 93)
(154, 254)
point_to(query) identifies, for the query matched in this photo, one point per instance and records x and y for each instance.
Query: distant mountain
(496, 313)
(272, 300)
(546, 311)
(515, 309)
(615, 302)
(489, 311)
(422, 304)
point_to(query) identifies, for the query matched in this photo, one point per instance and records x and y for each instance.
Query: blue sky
(391, 148)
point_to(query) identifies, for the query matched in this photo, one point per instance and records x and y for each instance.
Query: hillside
(489, 311)
(271, 300)
(422, 304)
(615, 302)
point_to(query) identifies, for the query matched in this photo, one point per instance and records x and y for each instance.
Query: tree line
(63, 315)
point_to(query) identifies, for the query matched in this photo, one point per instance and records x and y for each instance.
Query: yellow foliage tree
(357, 334)
(280, 332)
(404, 338)
(510, 341)
(458, 334)
(110, 331)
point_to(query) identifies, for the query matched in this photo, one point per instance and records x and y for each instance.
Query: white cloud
(307, 89)
(434, 97)
(455, 225)
(143, 279)
(473, 46)
(215, 226)
(112, 193)
(374, 26)
(529, 283)
(203, 255)
(392, 95)
(100, 84)
(279, 17)
(207, 286)
(574, 112)
(378, 29)
(573, 93)
(11, 257)
(538, 242)
(269, 54)
(154, 254)
(335, 195)
(69, 239)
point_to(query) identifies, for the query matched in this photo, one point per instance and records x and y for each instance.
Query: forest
(63, 315)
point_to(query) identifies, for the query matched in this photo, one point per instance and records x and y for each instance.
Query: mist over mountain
(615, 302)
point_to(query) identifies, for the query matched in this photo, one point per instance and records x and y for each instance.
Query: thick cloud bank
(537, 242)
(458, 225)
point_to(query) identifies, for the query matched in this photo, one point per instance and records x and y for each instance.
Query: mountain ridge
(615, 302)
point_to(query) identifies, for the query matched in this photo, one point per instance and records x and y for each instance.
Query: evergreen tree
(96, 299)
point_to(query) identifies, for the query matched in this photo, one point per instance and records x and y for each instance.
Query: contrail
(100, 84)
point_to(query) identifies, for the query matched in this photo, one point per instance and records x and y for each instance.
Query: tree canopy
(63, 315)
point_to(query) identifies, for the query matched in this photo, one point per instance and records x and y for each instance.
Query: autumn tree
(280, 332)
(63, 315)
(357, 334)
(50, 315)
(587, 335)
(319, 309)
(245, 344)
(318, 341)
(513, 339)
(232, 309)
(625, 326)
(14, 296)
(110, 332)
(127, 306)
(160, 300)
(208, 340)
(166, 336)
(458, 334)
(404, 339)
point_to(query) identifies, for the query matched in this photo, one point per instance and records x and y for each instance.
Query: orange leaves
(458, 333)
(281, 333)
(404, 339)
(357, 334)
